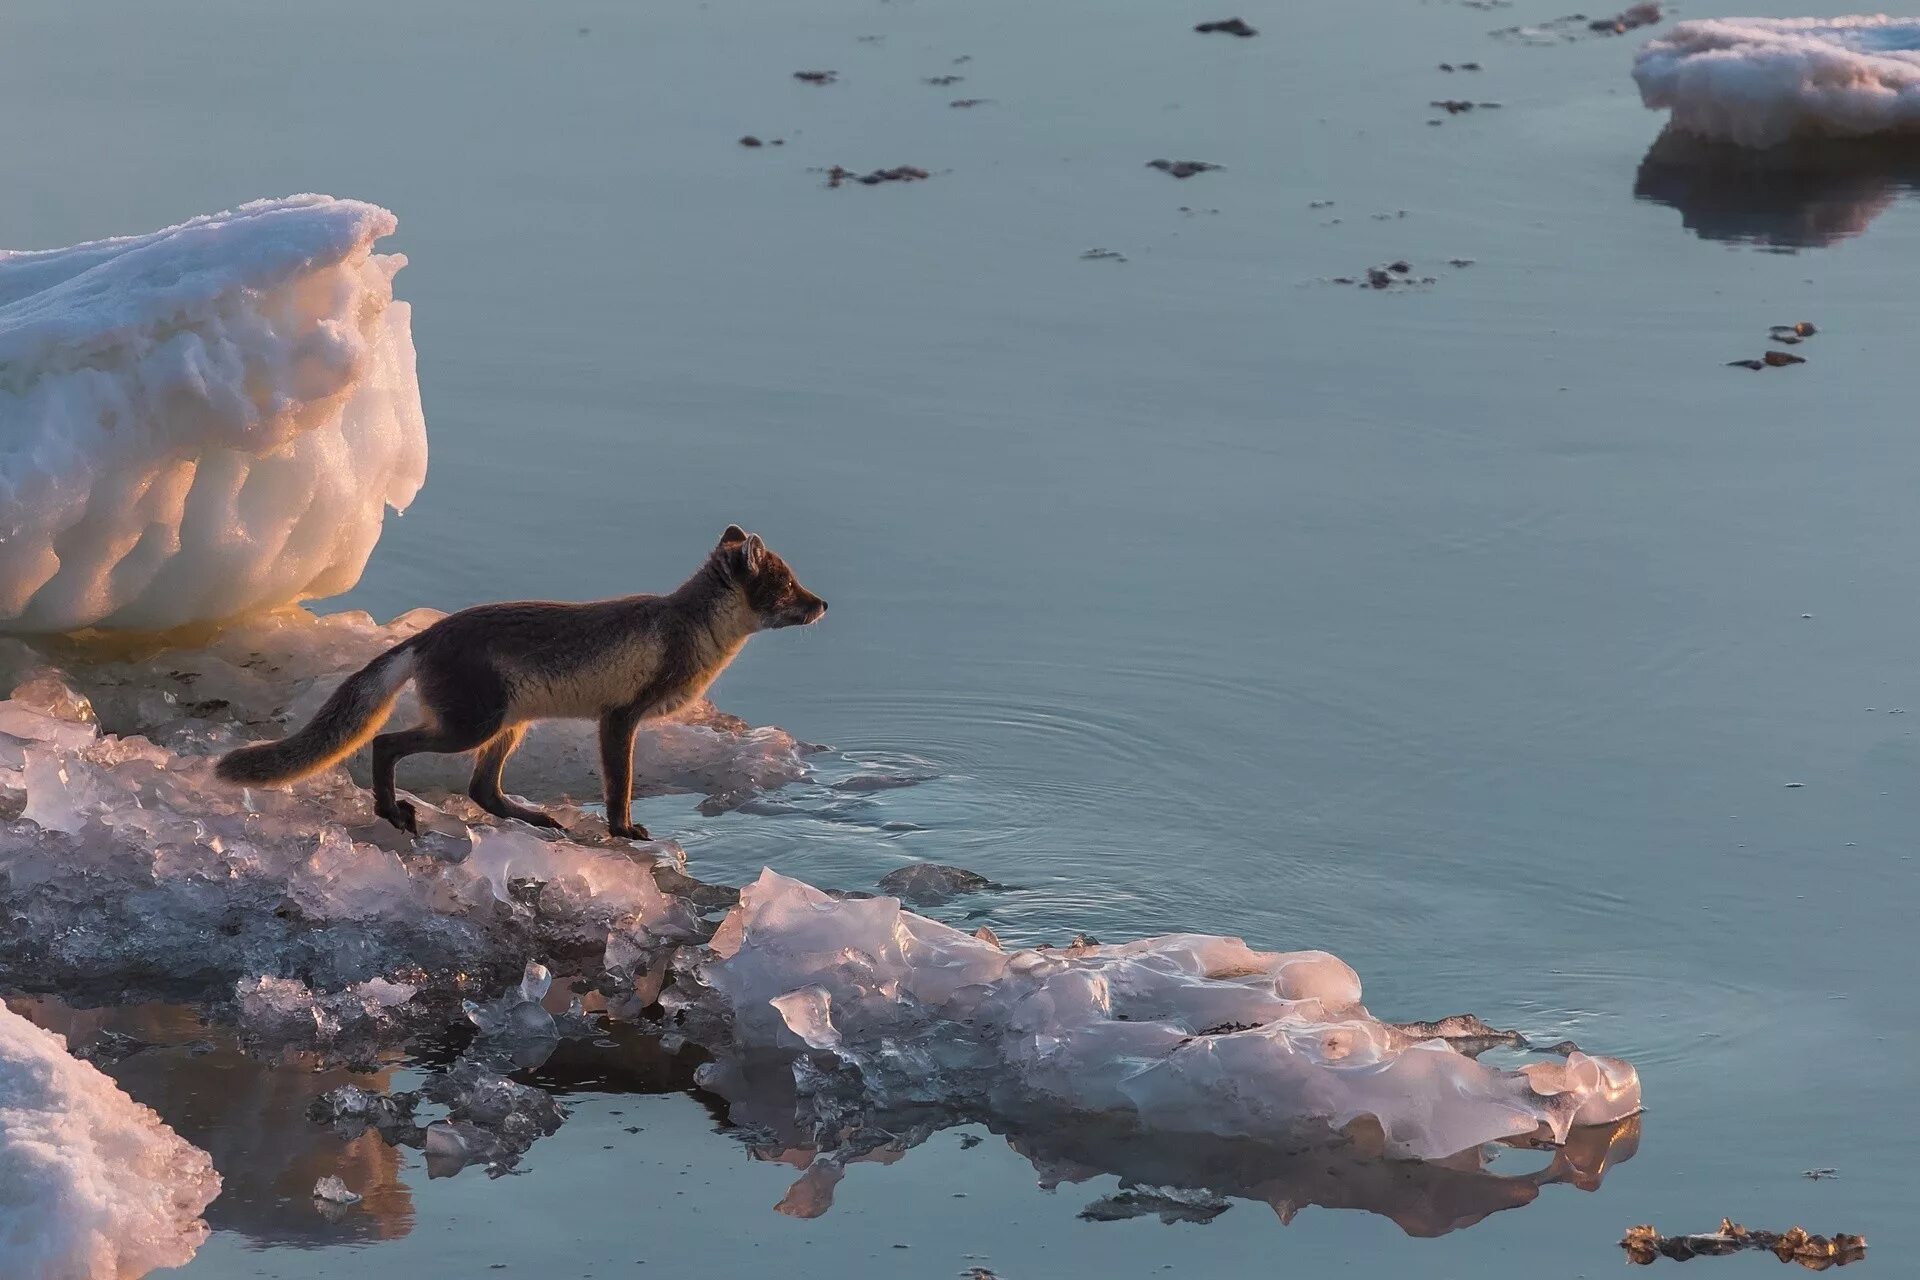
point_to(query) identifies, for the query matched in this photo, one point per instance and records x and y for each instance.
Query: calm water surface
(1474, 631)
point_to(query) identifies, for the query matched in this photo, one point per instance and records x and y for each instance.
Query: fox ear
(753, 553)
(734, 534)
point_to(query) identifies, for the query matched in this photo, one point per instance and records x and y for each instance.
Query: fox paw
(402, 816)
(630, 831)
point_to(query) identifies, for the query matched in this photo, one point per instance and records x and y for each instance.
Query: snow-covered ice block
(93, 1186)
(1760, 82)
(1187, 1034)
(203, 421)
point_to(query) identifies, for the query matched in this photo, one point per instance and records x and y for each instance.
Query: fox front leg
(617, 728)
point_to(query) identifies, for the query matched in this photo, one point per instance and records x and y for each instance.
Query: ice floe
(202, 421)
(93, 1186)
(1761, 82)
(1185, 1034)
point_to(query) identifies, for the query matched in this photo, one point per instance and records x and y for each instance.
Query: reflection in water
(251, 1117)
(1424, 1198)
(1785, 198)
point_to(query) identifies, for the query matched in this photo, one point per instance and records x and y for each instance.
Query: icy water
(1490, 633)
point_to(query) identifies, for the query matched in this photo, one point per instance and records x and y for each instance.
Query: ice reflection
(251, 1117)
(1784, 199)
(1178, 1178)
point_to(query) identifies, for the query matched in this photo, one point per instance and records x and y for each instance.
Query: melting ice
(1185, 1034)
(202, 421)
(92, 1184)
(1759, 82)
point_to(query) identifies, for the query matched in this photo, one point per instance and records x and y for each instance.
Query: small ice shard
(518, 1015)
(283, 1011)
(1761, 82)
(330, 1190)
(352, 1110)
(930, 883)
(203, 421)
(491, 1120)
(94, 1184)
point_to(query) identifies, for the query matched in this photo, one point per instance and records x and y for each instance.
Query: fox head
(773, 593)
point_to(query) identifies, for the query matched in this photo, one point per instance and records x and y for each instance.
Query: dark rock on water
(1781, 359)
(942, 81)
(1578, 26)
(1639, 15)
(1397, 272)
(1746, 364)
(817, 77)
(751, 141)
(1181, 168)
(928, 883)
(839, 176)
(1227, 27)
(964, 103)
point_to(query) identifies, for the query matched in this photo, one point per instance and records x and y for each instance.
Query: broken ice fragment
(331, 1190)
(923, 1012)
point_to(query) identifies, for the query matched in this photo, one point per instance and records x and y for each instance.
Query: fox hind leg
(389, 749)
(485, 786)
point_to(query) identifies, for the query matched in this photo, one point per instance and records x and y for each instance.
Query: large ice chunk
(93, 1186)
(1188, 1034)
(1759, 82)
(202, 421)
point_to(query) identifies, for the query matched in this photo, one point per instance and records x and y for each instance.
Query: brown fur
(485, 673)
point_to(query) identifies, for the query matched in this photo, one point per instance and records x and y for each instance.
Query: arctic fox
(485, 673)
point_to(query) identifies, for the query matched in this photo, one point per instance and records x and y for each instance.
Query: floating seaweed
(1816, 1253)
